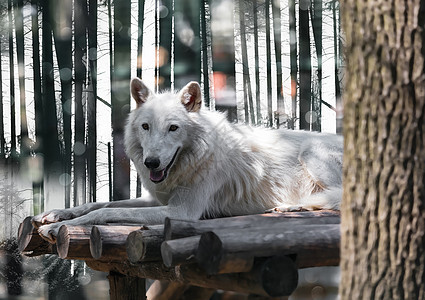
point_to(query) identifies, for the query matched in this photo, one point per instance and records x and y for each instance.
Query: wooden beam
(109, 242)
(174, 229)
(145, 244)
(73, 242)
(253, 282)
(215, 247)
(30, 242)
(179, 251)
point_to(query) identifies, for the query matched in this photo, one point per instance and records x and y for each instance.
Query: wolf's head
(158, 127)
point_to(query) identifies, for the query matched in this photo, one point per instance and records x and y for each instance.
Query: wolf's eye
(173, 127)
(145, 126)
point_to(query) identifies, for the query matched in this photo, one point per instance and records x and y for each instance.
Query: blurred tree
(187, 59)
(316, 22)
(293, 60)
(247, 91)
(12, 82)
(255, 7)
(269, 65)
(92, 101)
(337, 53)
(51, 148)
(305, 65)
(382, 213)
(277, 28)
(121, 97)
(37, 185)
(140, 21)
(62, 34)
(19, 36)
(205, 20)
(80, 56)
(165, 44)
(2, 141)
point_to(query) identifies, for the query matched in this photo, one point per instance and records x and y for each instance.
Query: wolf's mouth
(159, 176)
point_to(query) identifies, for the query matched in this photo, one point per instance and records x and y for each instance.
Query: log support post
(122, 287)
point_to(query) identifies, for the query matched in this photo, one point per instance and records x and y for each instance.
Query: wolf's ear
(139, 91)
(191, 97)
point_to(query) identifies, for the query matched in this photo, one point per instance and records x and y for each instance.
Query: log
(215, 247)
(180, 251)
(145, 244)
(183, 251)
(174, 229)
(285, 274)
(30, 242)
(108, 242)
(73, 242)
(125, 287)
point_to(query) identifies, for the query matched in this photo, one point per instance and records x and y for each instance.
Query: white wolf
(197, 164)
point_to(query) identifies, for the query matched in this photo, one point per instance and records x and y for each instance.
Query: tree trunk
(257, 62)
(277, 28)
(50, 139)
(248, 104)
(92, 101)
(316, 22)
(2, 140)
(336, 70)
(293, 58)
(269, 65)
(121, 97)
(80, 14)
(19, 35)
(165, 49)
(37, 186)
(12, 82)
(186, 50)
(141, 19)
(383, 216)
(63, 45)
(305, 68)
(205, 50)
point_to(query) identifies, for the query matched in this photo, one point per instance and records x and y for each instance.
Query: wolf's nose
(152, 163)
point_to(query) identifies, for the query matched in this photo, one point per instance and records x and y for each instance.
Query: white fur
(221, 169)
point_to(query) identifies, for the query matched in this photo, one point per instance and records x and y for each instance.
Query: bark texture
(382, 227)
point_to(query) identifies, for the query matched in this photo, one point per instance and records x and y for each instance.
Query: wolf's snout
(152, 162)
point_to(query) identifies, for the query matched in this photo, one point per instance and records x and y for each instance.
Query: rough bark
(383, 216)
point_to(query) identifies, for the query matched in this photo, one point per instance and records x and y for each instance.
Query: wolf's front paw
(282, 209)
(52, 216)
(49, 232)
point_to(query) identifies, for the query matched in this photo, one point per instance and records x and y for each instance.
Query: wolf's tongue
(157, 175)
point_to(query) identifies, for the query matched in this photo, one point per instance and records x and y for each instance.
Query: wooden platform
(255, 254)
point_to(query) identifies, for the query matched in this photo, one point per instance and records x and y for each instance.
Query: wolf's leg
(57, 215)
(186, 204)
(327, 199)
